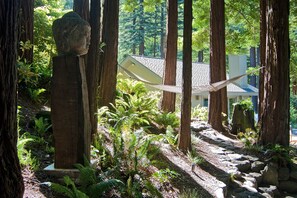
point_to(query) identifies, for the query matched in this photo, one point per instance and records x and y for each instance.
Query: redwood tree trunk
(26, 25)
(168, 100)
(11, 180)
(275, 115)
(141, 28)
(92, 70)
(110, 54)
(184, 141)
(81, 7)
(253, 79)
(262, 55)
(218, 100)
(162, 34)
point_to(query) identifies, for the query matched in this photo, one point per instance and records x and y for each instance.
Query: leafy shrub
(90, 185)
(165, 175)
(167, 119)
(246, 104)
(200, 112)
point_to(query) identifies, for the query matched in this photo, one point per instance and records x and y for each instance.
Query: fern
(96, 190)
(69, 190)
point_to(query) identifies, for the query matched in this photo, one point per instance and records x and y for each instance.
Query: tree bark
(184, 141)
(200, 56)
(11, 180)
(92, 69)
(168, 100)
(81, 7)
(26, 25)
(162, 35)
(275, 115)
(141, 28)
(253, 79)
(109, 59)
(262, 55)
(218, 100)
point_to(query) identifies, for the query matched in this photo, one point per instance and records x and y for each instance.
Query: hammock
(195, 89)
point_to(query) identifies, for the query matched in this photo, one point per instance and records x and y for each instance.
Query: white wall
(238, 66)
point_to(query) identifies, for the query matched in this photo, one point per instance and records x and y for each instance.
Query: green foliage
(41, 125)
(200, 112)
(190, 193)
(249, 138)
(24, 155)
(293, 111)
(165, 175)
(170, 136)
(195, 158)
(246, 104)
(280, 154)
(69, 190)
(35, 94)
(90, 185)
(167, 119)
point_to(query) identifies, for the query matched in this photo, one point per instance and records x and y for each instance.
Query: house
(151, 69)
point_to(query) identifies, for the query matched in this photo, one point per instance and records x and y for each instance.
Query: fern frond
(96, 190)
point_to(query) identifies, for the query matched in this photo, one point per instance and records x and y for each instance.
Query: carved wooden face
(80, 40)
(72, 34)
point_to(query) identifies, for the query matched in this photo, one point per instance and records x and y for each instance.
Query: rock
(257, 166)
(248, 194)
(293, 175)
(234, 156)
(250, 181)
(267, 195)
(257, 176)
(219, 193)
(271, 190)
(243, 166)
(288, 186)
(270, 174)
(283, 174)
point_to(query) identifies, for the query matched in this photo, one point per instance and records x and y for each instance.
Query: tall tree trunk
(184, 141)
(200, 56)
(93, 70)
(276, 116)
(134, 23)
(81, 7)
(141, 28)
(262, 56)
(11, 180)
(162, 34)
(26, 25)
(253, 79)
(109, 60)
(218, 100)
(169, 77)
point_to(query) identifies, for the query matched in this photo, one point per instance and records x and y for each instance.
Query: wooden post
(70, 111)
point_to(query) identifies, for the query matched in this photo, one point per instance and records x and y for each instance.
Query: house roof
(200, 73)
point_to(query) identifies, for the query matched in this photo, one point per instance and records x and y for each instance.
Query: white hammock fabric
(195, 89)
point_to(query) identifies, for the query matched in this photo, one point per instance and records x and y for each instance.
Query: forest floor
(208, 179)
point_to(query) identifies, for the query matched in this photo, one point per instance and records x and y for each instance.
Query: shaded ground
(209, 179)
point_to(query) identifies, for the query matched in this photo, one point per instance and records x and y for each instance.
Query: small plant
(90, 185)
(165, 175)
(200, 112)
(280, 154)
(195, 158)
(25, 157)
(167, 119)
(170, 136)
(246, 104)
(249, 138)
(41, 126)
(35, 94)
(190, 193)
